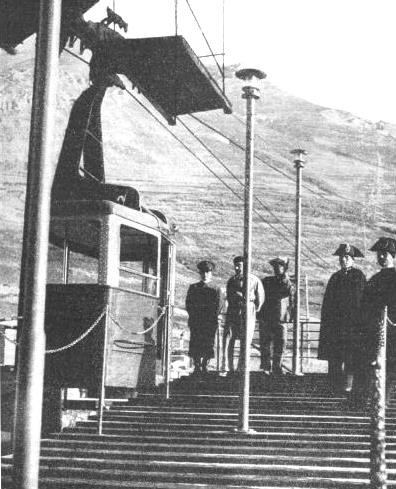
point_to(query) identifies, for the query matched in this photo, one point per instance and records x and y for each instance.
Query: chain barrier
(80, 338)
(2, 333)
(92, 327)
(152, 326)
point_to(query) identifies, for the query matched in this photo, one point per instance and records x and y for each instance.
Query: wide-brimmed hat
(206, 266)
(348, 249)
(280, 260)
(385, 244)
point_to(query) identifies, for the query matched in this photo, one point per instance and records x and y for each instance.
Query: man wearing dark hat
(380, 292)
(340, 319)
(203, 304)
(276, 311)
(234, 323)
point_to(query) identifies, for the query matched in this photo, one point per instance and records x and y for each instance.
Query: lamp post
(299, 165)
(30, 372)
(251, 93)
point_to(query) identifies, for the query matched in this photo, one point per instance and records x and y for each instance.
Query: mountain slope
(348, 180)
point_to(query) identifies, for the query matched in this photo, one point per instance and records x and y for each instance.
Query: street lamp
(298, 165)
(251, 93)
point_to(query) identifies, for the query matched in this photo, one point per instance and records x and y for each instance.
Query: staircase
(304, 437)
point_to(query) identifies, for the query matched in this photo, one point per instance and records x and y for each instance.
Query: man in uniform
(235, 324)
(203, 304)
(276, 311)
(340, 319)
(380, 292)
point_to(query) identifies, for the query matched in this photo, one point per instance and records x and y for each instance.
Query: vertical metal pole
(247, 251)
(378, 475)
(251, 93)
(176, 20)
(30, 371)
(306, 298)
(102, 386)
(218, 349)
(169, 316)
(299, 164)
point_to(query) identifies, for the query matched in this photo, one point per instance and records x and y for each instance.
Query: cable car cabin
(108, 296)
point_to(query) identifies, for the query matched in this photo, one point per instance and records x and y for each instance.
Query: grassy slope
(348, 192)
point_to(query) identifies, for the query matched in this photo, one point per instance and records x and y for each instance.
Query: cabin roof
(19, 18)
(80, 208)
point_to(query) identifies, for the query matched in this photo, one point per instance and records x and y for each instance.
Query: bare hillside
(348, 180)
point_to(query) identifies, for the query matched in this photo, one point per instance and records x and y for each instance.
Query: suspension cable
(279, 221)
(242, 148)
(207, 166)
(206, 40)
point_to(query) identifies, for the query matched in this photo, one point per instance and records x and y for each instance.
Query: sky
(335, 53)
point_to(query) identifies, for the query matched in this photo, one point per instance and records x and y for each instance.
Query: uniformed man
(276, 311)
(380, 292)
(203, 304)
(340, 318)
(234, 323)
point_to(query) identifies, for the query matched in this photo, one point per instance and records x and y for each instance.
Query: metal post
(31, 353)
(377, 446)
(299, 165)
(102, 386)
(250, 93)
(169, 316)
(307, 315)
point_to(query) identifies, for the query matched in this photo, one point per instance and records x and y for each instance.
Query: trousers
(273, 336)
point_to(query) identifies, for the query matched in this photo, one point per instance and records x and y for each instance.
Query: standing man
(276, 311)
(234, 323)
(340, 319)
(380, 292)
(203, 304)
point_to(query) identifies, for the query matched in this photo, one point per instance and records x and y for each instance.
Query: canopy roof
(166, 70)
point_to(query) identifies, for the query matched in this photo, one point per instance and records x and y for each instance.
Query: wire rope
(209, 169)
(203, 35)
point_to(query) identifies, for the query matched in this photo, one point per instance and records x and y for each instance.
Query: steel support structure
(250, 94)
(299, 165)
(30, 370)
(378, 405)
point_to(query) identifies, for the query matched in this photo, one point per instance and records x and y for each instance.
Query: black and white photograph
(197, 263)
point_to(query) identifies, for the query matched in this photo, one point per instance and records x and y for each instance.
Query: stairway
(303, 437)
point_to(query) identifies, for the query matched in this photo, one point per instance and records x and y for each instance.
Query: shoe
(267, 372)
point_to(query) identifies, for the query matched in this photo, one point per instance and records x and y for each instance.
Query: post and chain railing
(378, 477)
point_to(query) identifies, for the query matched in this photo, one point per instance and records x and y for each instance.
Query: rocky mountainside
(348, 188)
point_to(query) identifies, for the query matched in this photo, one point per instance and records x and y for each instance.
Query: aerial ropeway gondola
(111, 260)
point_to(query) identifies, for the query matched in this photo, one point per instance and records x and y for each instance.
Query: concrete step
(276, 447)
(227, 425)
(334, 459)
(220, 473)
(225, 439)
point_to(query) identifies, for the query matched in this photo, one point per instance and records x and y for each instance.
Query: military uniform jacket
(379, 292)
(235, 287)
(203, 304)
(341, 314)
(279, 300)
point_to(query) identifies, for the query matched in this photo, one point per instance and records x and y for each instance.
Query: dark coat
(279, 300)
(341, 315)
(203, 304)
(379, 292)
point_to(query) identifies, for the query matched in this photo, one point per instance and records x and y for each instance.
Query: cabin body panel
(111, 261)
